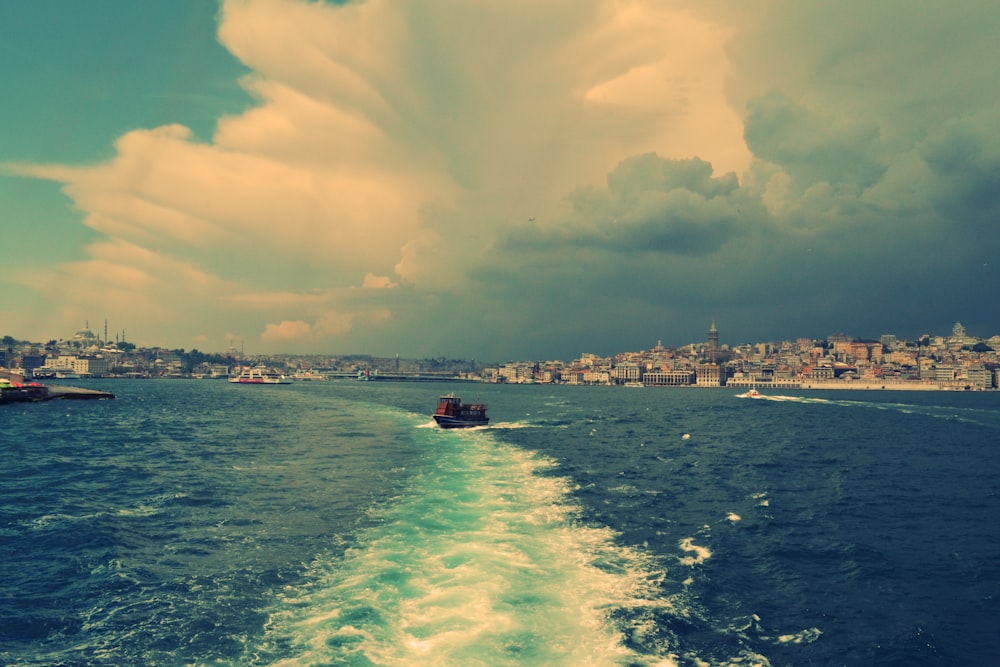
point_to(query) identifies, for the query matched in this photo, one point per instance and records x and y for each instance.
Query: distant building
(626, 372)
(979, 377)
(93, 365)
(671, 378)
(821, 372)
(29, 362)
(518, 373)
(708, 375)
(596, 377)
(713, 343)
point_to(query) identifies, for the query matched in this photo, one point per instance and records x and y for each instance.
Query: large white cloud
(389, 145)
(377, 194)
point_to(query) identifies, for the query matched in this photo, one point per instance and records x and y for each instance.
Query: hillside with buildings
(956, 361)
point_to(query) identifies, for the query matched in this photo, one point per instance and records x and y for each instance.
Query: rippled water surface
(198, 522)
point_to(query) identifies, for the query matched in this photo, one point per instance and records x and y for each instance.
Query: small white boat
(753, 393)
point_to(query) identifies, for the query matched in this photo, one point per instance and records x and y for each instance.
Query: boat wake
(968, 415)
(510, 425)
(483, 551)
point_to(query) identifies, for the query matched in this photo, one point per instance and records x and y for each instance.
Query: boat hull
(458, 422)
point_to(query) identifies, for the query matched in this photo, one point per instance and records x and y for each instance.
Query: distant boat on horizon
(307, 376)
(259, 375)
(49, 373)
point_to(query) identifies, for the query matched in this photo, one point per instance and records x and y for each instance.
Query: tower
(713, 342)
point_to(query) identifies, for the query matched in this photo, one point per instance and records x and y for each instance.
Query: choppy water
(198, 522)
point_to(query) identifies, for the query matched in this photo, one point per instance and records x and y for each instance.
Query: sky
(497, 181)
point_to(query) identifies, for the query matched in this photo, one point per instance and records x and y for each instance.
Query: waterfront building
(626, 372)
(596, 377)
(83, 365)
(708, 375)
(91, 365)
(672, 378)
(979, 377)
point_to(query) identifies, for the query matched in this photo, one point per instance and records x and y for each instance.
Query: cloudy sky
(518, 180)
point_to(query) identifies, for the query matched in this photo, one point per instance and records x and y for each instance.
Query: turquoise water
(198, 522)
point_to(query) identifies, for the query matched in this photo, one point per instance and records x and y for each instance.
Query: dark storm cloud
(964, 157)
(650, 205)
(872, 204)
(833, 232)
(812, 146)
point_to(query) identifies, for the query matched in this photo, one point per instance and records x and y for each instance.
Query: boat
(453, 413)
(259, 375)
(753, 393)
(50, 373)
(307, 376)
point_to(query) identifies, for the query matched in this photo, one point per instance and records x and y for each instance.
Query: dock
(76, 393)
(34, 392)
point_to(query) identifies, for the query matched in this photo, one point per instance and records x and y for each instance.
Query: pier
(33, 392)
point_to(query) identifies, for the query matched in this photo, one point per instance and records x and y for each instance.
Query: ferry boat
(259, 375)
(453, 413)
(50, 373)
(307, 376)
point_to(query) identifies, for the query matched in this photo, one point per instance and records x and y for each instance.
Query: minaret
(713, 342)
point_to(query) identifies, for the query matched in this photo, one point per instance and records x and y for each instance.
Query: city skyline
(958, 361)
(441, 181)
(711, 343)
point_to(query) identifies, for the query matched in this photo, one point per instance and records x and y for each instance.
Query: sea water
(330, 523)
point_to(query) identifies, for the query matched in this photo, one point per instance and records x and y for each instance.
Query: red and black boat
(453, 413)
